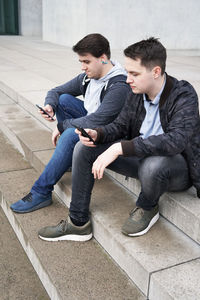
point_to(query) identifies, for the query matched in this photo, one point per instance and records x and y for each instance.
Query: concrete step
(163, 248)
(67, 270)
(18, 279)
(181, 209)
(168, 284)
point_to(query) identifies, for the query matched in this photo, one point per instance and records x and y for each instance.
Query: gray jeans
(157, 174)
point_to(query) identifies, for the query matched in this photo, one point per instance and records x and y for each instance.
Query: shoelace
(133, 210)
(137, 212)
(63, 225)
(27, 198)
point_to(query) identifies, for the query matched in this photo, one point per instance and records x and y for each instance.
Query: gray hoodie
(99, 113)
(92, 96)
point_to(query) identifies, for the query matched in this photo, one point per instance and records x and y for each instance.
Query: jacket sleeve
(72, 87)
(119, 128)
(183, 121)
(109, 109)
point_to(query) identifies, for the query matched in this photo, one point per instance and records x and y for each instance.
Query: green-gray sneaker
(66, 231)
(140, 221)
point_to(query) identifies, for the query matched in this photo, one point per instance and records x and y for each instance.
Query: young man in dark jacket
(103, 85)
(156, 138)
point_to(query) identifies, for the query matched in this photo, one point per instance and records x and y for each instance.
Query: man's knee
(82, 152)
(153, 166)
(64, 98)
(68, 138)
(69, 134)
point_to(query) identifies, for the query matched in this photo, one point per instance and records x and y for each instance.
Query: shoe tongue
(69, 220)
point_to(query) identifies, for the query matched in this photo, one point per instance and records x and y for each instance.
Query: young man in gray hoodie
(103, 86)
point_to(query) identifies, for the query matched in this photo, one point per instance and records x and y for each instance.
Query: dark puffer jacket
(179, 116)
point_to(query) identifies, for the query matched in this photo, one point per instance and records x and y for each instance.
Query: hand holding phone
(44, 111)
(85, 134)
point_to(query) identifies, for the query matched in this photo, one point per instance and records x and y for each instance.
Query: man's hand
(105, 159)
(49, 110)
(85, 140)
(55, 135)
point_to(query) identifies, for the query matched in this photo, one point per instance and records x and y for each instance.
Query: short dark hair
(95, 44)
(151, 53)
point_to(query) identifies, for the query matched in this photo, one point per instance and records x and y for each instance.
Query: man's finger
(94, 171)
(54, 138)
(102, 171)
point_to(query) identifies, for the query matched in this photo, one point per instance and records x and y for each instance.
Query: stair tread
(186, 285)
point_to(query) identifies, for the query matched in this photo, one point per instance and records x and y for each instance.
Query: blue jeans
(68, 107)
(157, 174)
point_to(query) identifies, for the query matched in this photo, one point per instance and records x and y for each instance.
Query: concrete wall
(64, 21)
(123, 22)
(30, 17)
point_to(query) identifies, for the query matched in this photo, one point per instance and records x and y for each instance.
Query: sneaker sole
(68, 237)
(152, 222)
(41, 205)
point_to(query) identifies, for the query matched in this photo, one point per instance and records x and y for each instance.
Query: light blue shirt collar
(151, 124)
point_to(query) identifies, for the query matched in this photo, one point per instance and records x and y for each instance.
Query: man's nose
(83, 66)
(129, 79)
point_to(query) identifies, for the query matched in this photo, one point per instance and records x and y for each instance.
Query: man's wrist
(117, 148)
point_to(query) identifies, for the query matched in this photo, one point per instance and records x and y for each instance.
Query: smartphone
(46, 113)
(85, 134)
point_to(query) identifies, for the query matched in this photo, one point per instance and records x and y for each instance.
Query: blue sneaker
(30, 203)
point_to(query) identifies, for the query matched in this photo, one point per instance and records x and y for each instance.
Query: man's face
(140, 79)
(91, 65)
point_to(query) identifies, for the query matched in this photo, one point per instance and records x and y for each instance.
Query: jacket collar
(167, 89)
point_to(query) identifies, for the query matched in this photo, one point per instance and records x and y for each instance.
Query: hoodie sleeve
(109, 109)
(72, 87)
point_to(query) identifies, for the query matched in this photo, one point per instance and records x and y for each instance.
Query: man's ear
(104, 59)
(156, 72)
